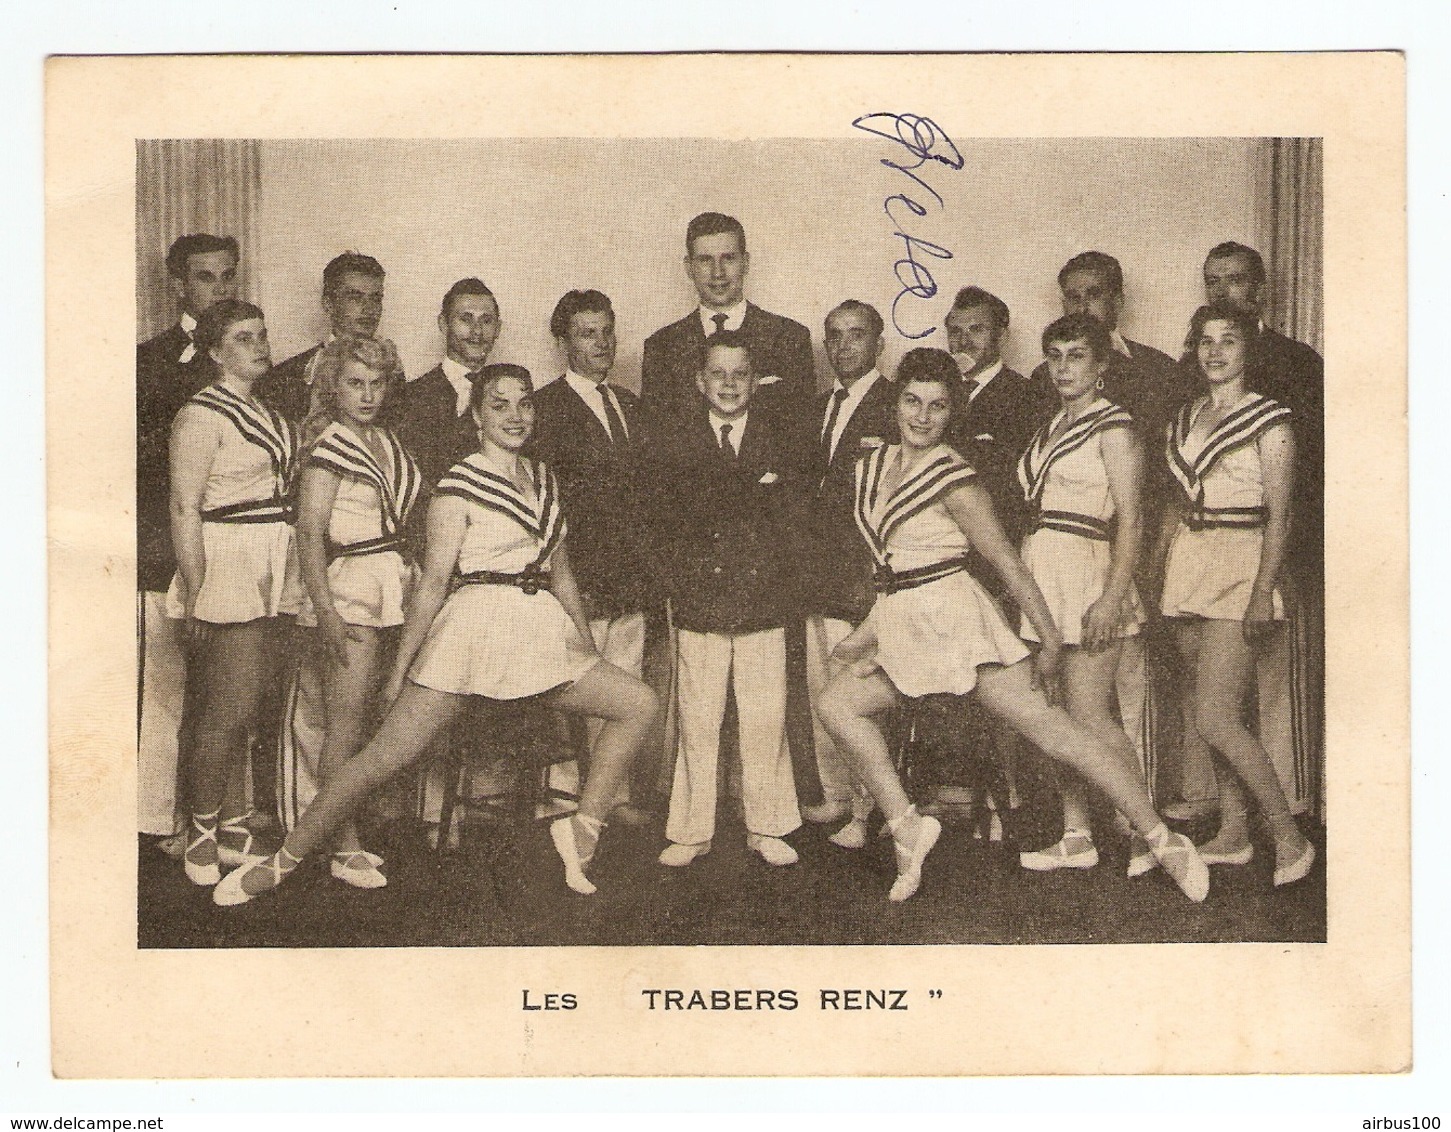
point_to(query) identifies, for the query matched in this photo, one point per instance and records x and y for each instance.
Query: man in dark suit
(716, 261)
(1001, 411)
(1293, 374)
(857, 414)
(203, 271)
(352, 296)
(1145, 381)
(730, 484)
(590, 432)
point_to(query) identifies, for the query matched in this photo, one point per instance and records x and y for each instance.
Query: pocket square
(983, 436)
(769, 478)
(872, 442)
(769, 379)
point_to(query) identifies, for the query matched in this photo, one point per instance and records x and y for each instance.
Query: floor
(504, 887)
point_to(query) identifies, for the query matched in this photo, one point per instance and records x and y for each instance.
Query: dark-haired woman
(237, 575)
(495, 614)
(1233, 455)
(933, 629)
(357, 486)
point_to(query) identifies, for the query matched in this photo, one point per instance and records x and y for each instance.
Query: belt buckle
(531, 579)
(884, 578)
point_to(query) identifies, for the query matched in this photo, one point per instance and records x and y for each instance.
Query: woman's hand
(1047, 662)
(1259, 617)
(1101, 623)
(335, 633)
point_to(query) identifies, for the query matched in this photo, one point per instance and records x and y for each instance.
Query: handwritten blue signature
(924, 140)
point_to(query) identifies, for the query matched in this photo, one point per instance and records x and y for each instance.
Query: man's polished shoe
(773, 850)
(678, 856)
(627, 813)
(825, 813)
(1192, 809)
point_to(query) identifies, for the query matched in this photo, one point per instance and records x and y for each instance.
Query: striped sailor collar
(1243, 424)
(1045, 450)
(879, 513)
(341, 448)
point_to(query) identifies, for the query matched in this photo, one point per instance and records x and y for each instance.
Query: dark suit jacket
(838, 568)
(780, 347)
(611, 543)
(164, 384)
(992, 434)
(285, 387)
(730, 540)
(424, 418)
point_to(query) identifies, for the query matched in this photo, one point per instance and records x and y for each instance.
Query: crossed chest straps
(1241, 427)
(267, 429)
(878, 514)
(544, 521)
(399, 485)
(1042, 454)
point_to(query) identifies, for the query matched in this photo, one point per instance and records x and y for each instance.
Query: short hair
(1233, 247)
(199, 243)
(976, 297)
(1100, 262)
(213, 323)
(349, 263)
(378, 354)
(728, 339)
(491, 375)
(1080, 327)
(928, 363)
(578, 302)
(856, 306)
(1247, 322)
(469, 286)
(713, 224)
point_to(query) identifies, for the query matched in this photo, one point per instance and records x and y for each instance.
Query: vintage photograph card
(728, 565)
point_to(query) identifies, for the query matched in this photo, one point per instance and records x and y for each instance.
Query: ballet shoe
(1141, 857)
(358, 868)
(825, 813)
(677, 856)
(773, 850)
(236, 858)
(205, 874)
(232, 889)
(1297, 869)
(1080, 854)
(1176, 853)
(853, 835)
(566, 844)
(1241, 856)
(911, 857)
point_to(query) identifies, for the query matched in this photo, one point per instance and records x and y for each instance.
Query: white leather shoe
(773, 850)
(1297, 869)
(678, 856)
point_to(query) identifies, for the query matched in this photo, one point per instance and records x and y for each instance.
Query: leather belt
(1072, 523)
(531, 579)
(1237, 518)
(379, 545)
(885, 580)
(274, 510)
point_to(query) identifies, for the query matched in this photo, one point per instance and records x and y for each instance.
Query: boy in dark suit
(858, 413)
(589, 432)
(716, 261)
(727, 476)
(352, 296)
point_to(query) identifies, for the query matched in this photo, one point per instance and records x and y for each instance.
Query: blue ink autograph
(924, 140)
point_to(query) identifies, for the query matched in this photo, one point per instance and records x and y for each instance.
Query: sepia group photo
(904, 537)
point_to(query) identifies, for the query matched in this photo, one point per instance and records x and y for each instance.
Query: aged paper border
(1343, 1006)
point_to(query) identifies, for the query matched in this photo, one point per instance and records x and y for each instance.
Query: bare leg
(349, 690)
(848, 709)
(1220, 684)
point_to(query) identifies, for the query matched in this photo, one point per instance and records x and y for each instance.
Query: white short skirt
(499, 642)
(1072, 573)
(251, 572)
(367, 589)
(1211, 573)
(932, 638)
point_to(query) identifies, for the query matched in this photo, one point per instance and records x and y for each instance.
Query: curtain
(1295, 247)
(190, 185)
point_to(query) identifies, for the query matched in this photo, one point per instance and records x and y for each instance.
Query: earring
(1099, 385)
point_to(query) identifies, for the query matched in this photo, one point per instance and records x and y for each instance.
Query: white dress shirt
(189, 325)
(1117, 341)
(738, 429)
(983, 378)
(855, 394)
(458, 376)
(735, 316)
(589, 392)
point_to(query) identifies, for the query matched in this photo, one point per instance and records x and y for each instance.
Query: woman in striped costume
(1233, 455)
(496, 614)
(1081, 477)
(357, 486)
(934, 629)
(237, 577)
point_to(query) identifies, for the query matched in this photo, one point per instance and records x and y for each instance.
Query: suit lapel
(584, 417)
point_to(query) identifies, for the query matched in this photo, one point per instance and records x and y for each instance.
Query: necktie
(720, 321)
(827, 433)
(726, 447)
(616, 426)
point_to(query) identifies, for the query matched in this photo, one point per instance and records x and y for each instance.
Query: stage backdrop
(535, 218)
